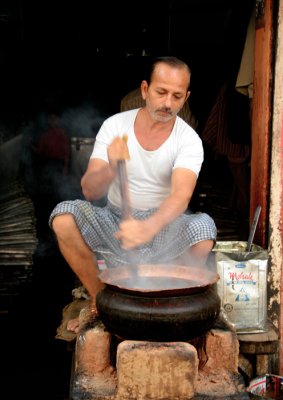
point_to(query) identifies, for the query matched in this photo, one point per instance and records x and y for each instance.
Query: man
(164, 156)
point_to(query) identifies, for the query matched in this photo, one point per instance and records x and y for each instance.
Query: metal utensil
(253, 228)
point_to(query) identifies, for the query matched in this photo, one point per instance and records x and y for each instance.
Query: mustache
(165, 109)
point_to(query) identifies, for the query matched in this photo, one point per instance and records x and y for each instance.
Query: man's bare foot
(74, 324)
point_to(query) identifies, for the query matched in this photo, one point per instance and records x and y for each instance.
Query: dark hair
(169, 60)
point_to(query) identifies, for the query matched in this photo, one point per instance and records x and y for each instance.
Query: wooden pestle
(126, 209)
(124, 189)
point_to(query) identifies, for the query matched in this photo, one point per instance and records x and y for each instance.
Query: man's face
(167, 92)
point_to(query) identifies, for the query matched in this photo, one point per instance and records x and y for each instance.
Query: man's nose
(168, 101)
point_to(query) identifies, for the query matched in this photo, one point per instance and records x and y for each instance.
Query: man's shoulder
(185, 134)
(183, 126)
(123, 115)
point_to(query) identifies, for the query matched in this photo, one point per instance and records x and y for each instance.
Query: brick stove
(109, 368)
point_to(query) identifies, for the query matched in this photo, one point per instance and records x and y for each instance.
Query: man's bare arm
(97, 178)
(100, 174)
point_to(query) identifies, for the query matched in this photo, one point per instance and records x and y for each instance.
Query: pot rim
(125, 279)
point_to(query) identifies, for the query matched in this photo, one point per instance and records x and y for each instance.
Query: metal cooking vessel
(181, 303)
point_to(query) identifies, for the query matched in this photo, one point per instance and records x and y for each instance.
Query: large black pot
(172, 318)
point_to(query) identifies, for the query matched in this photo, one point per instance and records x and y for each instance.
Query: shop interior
(78, 61)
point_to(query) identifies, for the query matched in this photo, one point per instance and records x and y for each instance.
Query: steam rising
(17, 158)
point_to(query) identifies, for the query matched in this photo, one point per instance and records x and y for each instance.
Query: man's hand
(118, 150)
(133, 233)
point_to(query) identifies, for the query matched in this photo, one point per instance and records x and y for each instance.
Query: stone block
(93, 350)
(156, 370)
(222, 349)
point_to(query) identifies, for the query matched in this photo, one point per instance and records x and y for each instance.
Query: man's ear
(187, 95)
(144, 87)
